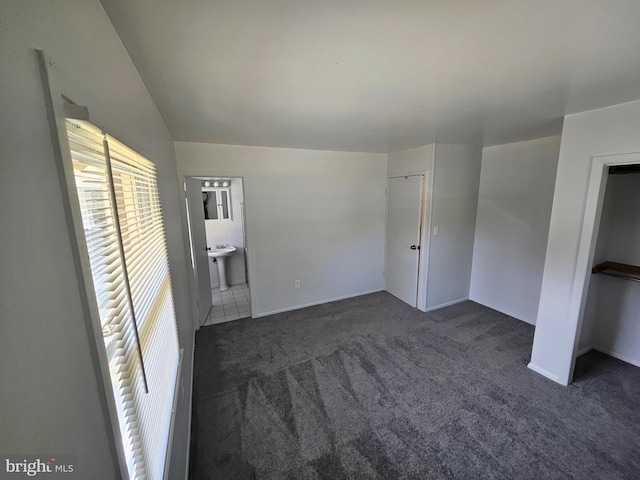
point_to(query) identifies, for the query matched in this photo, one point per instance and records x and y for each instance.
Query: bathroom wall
(229, 232)
(50, 395)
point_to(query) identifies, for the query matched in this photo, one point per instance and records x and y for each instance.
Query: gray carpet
(370, 388)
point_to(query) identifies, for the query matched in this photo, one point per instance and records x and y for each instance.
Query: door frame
(249, 260)
(194, 286)
(588, 241)
(425, 234)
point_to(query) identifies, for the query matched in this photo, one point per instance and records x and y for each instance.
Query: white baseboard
(501, 310)
(448, 304)
(313, 304)
(584, 350)
(544, 373)
(624, 358)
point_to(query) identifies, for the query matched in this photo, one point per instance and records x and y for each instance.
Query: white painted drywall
(412, 161)
(612, 316)
(607, 131)
(512, 226)
(50, 394)
(229, 232)
(314, 216)
(455, 201)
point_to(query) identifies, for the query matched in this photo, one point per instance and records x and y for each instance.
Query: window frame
(59, 89)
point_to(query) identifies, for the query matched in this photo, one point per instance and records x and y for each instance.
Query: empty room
(320, 240)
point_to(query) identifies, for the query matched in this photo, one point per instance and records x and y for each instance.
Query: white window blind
(125, 240)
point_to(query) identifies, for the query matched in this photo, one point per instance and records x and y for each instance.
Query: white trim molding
(543, 372)
(313, 304)
(586, 249)
(447, 304)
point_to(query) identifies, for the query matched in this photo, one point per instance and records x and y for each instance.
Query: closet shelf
(620, 270)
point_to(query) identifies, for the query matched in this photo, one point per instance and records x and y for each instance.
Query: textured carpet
(370, 388)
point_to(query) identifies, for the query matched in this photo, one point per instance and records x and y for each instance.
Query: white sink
(220, 255)
(222, 252)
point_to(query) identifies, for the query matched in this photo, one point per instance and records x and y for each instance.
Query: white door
(403, 237)
(198, 238)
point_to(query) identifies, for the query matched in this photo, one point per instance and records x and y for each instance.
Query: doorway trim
(425, 233)
(588, 240)
(249, 240)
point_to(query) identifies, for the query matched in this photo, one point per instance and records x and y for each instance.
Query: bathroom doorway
(217, 231)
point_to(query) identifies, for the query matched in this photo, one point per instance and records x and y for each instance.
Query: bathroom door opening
(217, 225)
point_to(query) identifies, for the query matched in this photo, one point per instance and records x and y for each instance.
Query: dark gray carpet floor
(370, 388)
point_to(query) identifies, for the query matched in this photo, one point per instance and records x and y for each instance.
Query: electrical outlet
(296, 283)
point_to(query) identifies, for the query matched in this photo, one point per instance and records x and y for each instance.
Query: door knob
(414, 247)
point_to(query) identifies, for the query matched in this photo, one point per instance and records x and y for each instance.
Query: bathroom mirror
(217, 203)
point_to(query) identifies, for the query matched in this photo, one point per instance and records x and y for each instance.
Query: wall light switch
(296, 283)
(436, 230)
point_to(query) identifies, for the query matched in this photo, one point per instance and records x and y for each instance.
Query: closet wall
(612, 316)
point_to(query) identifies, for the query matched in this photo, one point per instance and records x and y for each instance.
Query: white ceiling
(379, 75)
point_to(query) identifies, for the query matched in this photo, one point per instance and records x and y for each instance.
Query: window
(125, 241)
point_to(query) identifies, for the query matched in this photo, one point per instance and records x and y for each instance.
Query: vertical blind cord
(116, 216)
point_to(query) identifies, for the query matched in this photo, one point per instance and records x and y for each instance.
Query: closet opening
(611, 318)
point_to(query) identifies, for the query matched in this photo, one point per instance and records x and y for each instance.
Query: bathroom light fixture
(216, 184)
(225, 183)
(207, 183)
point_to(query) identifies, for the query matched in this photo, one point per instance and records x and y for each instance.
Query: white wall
(229, 232)
(612, 317)
(412, 161)
(455, 200)
(50, 397)
(313, 216)
(512, 225)
(607, 131)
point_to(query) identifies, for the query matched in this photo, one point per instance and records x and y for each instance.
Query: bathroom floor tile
(229, 305)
